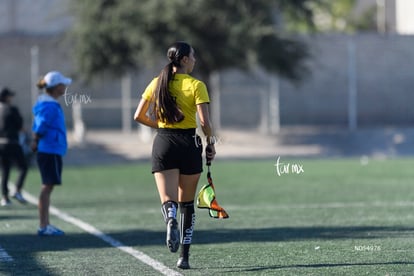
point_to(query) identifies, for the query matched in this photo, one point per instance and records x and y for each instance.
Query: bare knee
(46, 189)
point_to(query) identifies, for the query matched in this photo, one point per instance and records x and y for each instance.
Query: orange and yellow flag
(207, 199)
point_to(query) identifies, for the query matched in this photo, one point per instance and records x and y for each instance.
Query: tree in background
(117, 36)
(335, 16)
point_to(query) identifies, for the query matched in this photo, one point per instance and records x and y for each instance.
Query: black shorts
(177, 149)
(50, 167)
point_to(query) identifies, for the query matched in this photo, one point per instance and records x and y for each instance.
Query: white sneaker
(5, 202)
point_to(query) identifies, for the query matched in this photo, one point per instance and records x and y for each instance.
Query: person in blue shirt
(49, 141)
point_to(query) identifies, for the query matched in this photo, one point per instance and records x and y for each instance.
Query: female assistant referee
(173, 99)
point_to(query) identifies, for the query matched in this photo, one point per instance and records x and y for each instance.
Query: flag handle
(208, 161)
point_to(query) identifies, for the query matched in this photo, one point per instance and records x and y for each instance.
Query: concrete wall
(35, 17)
(384, 81)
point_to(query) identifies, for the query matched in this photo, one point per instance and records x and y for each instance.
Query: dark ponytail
(165, 106)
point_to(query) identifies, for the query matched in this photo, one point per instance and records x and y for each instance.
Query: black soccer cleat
(173, 236)
(183, 263)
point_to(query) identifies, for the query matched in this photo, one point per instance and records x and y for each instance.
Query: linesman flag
(207, 199)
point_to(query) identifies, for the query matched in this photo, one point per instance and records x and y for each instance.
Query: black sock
(169, 210)
(186, 227)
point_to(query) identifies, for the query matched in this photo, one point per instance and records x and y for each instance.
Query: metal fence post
(126, 103)
(352, 87)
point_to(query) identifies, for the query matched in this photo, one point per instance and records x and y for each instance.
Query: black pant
(10, 153)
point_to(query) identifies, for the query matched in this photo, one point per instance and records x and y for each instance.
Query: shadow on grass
(278, 267)
(149, 238)
(301, 233)
(14, 216)
(25, 248)
(341, 142)
(96, 154)
(141, 237)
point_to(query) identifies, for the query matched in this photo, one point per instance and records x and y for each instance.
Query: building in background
(404, 17)
(40, 17)
(392, 16)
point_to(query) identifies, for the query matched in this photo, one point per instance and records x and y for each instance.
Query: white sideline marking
(113, 242)
(4, 256)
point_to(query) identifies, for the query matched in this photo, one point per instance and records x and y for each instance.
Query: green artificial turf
(331, 217)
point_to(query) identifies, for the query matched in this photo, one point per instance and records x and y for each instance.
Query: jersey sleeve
(147, 95)
(201, 94)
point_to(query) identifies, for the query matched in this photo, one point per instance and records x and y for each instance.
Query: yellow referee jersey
(188, 92)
